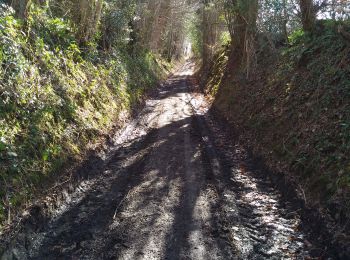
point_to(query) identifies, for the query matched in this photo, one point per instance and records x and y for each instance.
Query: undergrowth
(296, 113)
(57, 98)
(217, 71)
(317, 100)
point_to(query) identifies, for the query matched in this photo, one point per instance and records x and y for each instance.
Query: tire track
(174, 186)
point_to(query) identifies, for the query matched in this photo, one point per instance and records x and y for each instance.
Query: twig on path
(120, 203)
(302, 191)
(59, 184)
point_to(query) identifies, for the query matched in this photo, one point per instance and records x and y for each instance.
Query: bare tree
(87, 18)
(244, 30)
(21, 7)
(308, 14)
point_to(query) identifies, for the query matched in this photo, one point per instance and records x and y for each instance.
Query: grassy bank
(295, 113)
(56, 98)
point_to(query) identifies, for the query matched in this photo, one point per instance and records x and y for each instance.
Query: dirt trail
(169, 190)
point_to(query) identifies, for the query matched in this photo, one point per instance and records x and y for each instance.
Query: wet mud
(174, 185)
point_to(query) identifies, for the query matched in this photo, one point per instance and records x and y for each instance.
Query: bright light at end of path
(187, 49)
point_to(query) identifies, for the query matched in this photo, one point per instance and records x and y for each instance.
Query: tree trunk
(244, 36)
(209, 34)
(308, 15)
(89, 16)
(21, 7)
(285, 21)
(161, 20)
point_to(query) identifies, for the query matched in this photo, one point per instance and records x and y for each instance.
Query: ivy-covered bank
(294, 113)
(56, 97)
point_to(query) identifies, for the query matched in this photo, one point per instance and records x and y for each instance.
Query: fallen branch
(120, 203)
(303, 193)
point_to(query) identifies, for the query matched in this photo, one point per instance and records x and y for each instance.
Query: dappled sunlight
(134, 129)
(186, 70)
(165, 193)
(274, 229)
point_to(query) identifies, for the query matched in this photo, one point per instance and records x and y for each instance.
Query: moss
(55, 99)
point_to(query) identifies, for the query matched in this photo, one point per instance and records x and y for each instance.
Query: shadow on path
(171, 190)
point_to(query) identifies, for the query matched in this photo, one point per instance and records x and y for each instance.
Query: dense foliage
(57, 96)
(279, 68)
(293, 111)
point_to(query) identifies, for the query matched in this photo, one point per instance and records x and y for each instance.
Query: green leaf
(2, 146)
(46, 155)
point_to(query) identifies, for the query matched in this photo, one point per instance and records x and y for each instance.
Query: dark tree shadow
(143, 175)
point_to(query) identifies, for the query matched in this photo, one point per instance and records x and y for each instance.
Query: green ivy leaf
(46, 155)
(2, 146)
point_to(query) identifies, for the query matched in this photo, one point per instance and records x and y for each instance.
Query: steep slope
(57, 100)
(295, 113)
(168, 189)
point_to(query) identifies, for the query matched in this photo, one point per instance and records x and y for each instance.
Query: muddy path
(169, 190)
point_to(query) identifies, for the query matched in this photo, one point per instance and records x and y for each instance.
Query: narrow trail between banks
(169, 190)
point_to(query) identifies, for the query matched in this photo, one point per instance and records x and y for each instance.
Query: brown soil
(167, 189)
